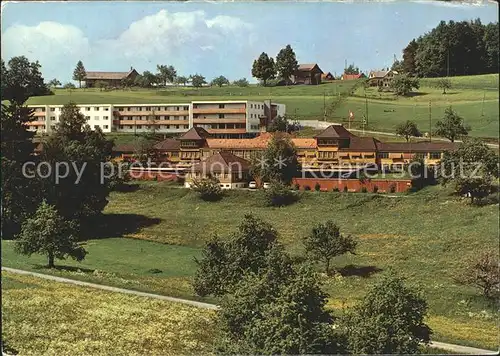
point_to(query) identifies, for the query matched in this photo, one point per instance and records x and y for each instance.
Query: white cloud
(455, 4)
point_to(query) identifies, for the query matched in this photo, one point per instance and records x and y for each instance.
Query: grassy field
(419, 235)
(473, 97)
(50, 318)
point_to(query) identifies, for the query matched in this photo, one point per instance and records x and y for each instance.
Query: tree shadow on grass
(64, 268)
(360, 271)
(126, 188)
(416, 93)
(116, 225)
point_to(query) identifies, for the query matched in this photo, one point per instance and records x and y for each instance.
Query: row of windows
(95, 117)
(97, 108)
(167, 127)
(105, 127)
(154, 108)
(161, 117)
(432, 155)
(257, 106)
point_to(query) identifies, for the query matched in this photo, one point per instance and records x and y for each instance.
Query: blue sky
(219, 38)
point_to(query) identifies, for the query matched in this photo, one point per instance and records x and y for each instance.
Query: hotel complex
(222, 119)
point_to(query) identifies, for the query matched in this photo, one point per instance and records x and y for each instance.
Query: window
(52, 109)
(435, 155)
(52, 117)
(105, 126)
(96, 117)
(251, 106)
(96, 108)
(383, 155)
(106, 109)
(221, 106)
(120, 109)
(42, 110)
(177, 126)
(139, 126)
(87, 109)
(105, 117)
(87, 117)
(121, 127)
(221, 116)
(186, 107)
(130, 127)
(186, 126)
(168, 126)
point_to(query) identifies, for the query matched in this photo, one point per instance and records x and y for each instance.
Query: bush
(306, 187)
(375, 189)
(392, 188)
(280, 194)
(297, 186)
(208, 188)
(317, 187)
(482, 272)
(364, 190)
(336, 189)
(345, 189)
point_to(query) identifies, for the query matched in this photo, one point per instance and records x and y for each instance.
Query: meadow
(151, 236)
(475, 98)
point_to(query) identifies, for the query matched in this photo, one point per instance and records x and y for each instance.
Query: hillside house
(309, 74)
(381, 78)
(352, 76)
(327, 76)
(112, 79)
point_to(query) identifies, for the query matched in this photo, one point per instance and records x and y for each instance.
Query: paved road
(440, 345)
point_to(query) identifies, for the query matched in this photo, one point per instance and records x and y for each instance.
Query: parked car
(266, 185)
(252, 185)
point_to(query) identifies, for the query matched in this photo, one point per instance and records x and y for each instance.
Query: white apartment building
(225, 119)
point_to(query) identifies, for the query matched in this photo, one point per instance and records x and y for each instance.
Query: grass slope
(419, 235)
(48, 318)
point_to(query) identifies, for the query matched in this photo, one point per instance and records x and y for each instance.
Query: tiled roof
(108, 75)
(334, 131)
(379, 73)
(361, 144)
(167, 145)
(308, 67)
(195, 133)
(304, 142)
(222, 161)
(421, 146)
(351, 76)
(229, 143)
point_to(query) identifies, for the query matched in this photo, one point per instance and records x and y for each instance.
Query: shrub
(392, 188)
(375, 189)
(297, 186)
(317, 187)
(345, 189)
(364, 190)
(208, 188)
(482, 272)
(280, 194)
(306, 187)
(336, 189)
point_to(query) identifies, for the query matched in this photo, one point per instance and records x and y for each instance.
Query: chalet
(352, 76)
(327, 76)
(307, 74)
(112, 79)
(381, 78)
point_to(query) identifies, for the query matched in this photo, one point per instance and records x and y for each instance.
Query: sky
(220, 38)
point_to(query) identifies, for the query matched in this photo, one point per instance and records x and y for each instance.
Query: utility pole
(430, 122)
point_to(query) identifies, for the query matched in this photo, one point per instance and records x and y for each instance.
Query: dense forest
(453, 48)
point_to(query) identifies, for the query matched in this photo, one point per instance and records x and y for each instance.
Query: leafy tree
(208, 188)
(389, 320)
(166, 74)
(243, 82)
(144, 147)
(220, 81)
(286, 63)
(482, 272)
(181, 80)
(83, 192)
(225, 262)
(197, 80)
(47, 233)
(54, 83)
(403, 84)
(69, 86)
(102, 85)
(443, 83)
(471, 168)
(421, 174)
(279, 311)
(408, 130)
(263, 68)
(278, 161)
(351, 69)
(452, 126)
(326, 242)
(491, 43)
(279, 194)
(397, 66)
(22, 79)
(146, 80)
(79, 74)
(283, 124)
(409, 62)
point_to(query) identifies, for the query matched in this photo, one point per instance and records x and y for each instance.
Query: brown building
(112, 79)
(309, 74)
(352, 76)
(327, 76)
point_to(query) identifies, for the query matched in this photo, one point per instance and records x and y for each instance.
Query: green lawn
(425, 236)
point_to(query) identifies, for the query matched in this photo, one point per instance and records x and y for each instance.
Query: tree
(471, 168)
(82, 193)
(69, 86)
(408, 130)
(403, 84)
(220, 81)
(278, 161)
(326, 242)
(482, 272)
(225, 262)
(278, 311)
(286, 63)
(54, 83)
(208, 188)
(389, 320)
(101, 85)
(243, 82)
(443, 83)
(279, 194)
(47, 233)
(22, 79)
(397, 66)
(166, 74)
(263, 68)
(283, 124)
(451, 126)
(181, 80)
(491, 43)
(409, 65)
(351, 69)
(79, 74)
(197, 80)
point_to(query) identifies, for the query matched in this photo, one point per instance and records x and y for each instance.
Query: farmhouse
(381, 78)
(112, 79)
(307, 74)
(327, 76)
(352, 76)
